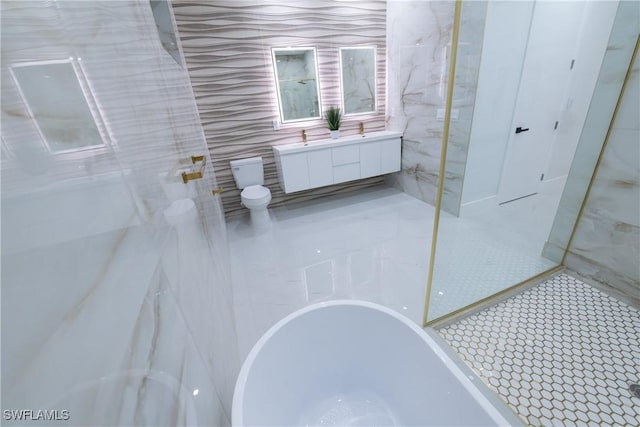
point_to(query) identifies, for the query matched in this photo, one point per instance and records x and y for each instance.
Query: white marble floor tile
(373, 245)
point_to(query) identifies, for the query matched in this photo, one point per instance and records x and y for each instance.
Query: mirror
(358, 79)
(58, 104)
(296, 75)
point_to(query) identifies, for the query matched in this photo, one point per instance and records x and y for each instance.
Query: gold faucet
(304, 136)
(361, 128)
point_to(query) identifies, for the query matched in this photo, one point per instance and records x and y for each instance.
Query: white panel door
(541, 98)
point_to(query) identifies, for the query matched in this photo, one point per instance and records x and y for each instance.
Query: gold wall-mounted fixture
(361, 128)
(186, 177)
(217, 191)
(304, 136)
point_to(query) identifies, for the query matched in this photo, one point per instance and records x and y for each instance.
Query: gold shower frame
(440, 188)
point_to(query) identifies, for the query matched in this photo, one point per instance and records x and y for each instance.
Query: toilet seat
(255, 195)
(255, 192)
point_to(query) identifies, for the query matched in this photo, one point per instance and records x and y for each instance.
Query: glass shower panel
(509, 158)
(116, 299)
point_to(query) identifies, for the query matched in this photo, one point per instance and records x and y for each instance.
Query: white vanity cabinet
(325, 162)
(320, 168)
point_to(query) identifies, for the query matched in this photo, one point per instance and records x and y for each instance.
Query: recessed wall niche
(58, 100)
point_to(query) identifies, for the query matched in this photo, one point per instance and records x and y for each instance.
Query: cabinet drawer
(345, 155)
(343, 173)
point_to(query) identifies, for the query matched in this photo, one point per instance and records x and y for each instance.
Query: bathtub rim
(493, 405)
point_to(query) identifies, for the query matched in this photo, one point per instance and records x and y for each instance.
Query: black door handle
(520, 129)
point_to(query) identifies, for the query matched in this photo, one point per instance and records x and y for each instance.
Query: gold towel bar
(186, 177)
(218, 190)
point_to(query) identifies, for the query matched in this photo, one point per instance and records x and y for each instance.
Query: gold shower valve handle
(186, 177)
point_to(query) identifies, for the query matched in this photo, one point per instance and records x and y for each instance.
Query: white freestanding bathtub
(354, 363)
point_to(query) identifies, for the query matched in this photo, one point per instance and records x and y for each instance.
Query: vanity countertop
(329, 143)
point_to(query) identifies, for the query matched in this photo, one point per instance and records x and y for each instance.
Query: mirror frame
(274, 52)
(343, 96)
(86, 94)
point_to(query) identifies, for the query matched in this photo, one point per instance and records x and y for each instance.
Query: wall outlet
(276, 124)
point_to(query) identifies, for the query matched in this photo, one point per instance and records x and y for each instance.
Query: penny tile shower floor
(560, 353)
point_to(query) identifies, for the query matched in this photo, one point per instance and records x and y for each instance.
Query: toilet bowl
(249, 176)
(256, 198)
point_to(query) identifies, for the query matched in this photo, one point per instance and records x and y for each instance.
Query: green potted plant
(333, 116)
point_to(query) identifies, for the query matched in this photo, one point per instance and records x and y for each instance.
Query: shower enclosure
(116, 299)
(535, 89)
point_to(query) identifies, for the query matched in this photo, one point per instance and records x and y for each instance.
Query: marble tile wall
(227, 47)
(605, 246)
(419, 44)
(472, 20)
(113, 306)
(419, 37)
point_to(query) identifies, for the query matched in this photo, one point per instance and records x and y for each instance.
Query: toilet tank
(247, 172)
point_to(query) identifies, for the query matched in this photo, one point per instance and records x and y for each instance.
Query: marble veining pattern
(472, 21)
(227, 47)
(606, 244)
(108, 310)
(608, 88)
(419, 39)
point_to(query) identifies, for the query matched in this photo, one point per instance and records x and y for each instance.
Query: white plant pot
(335, 134)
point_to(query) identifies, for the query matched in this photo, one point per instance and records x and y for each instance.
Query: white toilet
(249, 177)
